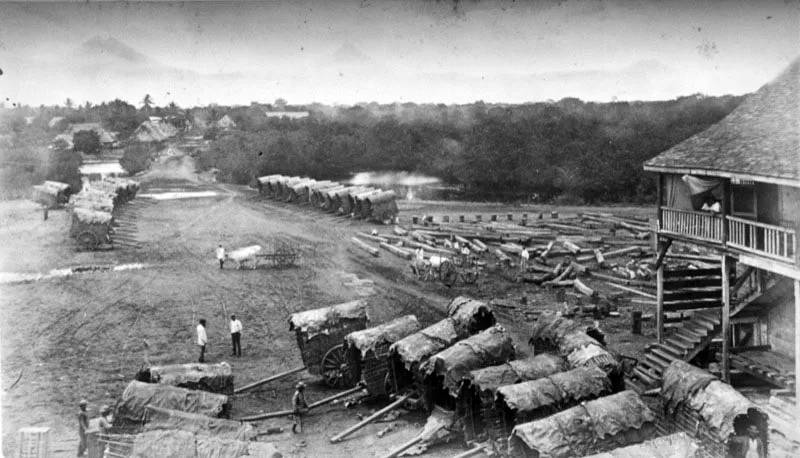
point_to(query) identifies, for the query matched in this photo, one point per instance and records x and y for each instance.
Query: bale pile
(214, 378)
(93, 209)
(131, 408)
(353, 201)
(51, 194)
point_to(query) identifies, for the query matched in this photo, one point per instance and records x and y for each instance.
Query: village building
(107, 139)
(225, 123)
(734, 190)
(155, 129)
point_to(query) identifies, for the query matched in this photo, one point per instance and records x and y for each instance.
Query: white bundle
(241, 254)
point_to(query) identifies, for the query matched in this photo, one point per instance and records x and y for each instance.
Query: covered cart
(476, 398)
(131, 408)
(678, 445)
(51, 194)
(90, 228)
(298, 192)
(348, 201)
(711, 411)
(320, 334)
(443, 372)
(336, 201)
(316, 193)
(166, 419)
(285, 187)
(535, 399)
(596, 426)
(265, 184)
(368, 352)
(465, 317)
(553, 333)
(214, 378)
(381, 207)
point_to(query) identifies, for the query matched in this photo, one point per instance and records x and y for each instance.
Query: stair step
(707, 323)
(690, 331)
(655, 359)
(690, 340)
(645, 375)
(678, 344)
(669, 355)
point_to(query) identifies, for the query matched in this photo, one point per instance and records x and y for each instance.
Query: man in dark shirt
(300, 406)
(83, 425)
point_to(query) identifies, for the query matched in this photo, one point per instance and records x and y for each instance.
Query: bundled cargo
(214, 378)
(678, 445)
(368, 352)
(596, 426)
(90, 228)
(265, 184)
(184, 444)
(158, 418)
(131, 408)
(51, 194)
(381, 207)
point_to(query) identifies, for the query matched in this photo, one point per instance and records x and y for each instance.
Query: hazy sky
(423, 51)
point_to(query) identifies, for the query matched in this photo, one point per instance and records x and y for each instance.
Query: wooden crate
(33, 442)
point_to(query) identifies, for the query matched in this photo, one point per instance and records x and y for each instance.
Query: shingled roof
(759, 140)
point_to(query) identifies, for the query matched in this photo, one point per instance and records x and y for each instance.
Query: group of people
(236, 337)
(104, 422)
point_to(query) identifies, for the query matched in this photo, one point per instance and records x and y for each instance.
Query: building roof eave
(783, 181)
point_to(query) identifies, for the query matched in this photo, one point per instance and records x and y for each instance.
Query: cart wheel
(285, 257)
(458, 260)
(470, 276)
(88, 240)
(448, 273)
(334, 367)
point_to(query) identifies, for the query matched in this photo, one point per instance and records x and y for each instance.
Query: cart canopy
(489, 379)
(594, 355)
(556, 389)
(717, 403)
(678, 445)
(319, 321)
(384, 196)
(418, 347)
(57, 185)
(268, 179)
(390, 332)
(574, 431)
(138, 395)
(46, 190)
(87, 216)
(469, 315)
(489, 347)
(216, 378)
(166, 419)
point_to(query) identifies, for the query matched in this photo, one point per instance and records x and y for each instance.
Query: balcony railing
(697, 225)
(775, 242)
(764, 239)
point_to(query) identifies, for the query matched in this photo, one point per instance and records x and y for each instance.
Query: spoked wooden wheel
(88, 240)
(334, 368)
(448, 273)
(470, 276)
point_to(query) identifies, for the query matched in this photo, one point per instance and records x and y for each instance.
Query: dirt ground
(86, 335)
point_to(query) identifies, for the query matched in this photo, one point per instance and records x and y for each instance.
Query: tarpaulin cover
(575, 340)
(492, 378)
(421, 345)
(390, 332)
(700, 185)
(571, 432)
(678, 445)
(210, 375)
(164, 444)
(319, 321)
(213, 447)
(268, 178)
(550, 328)
(57, 185)
(440, 426)
(465, 311)
(489, 347)
(680, 382)
(263, 450)
(91, 216)
(46, 190)
(594, 355)
(138, 395)
(718, 404)
(384, 196)
(556, 389)
(158, 418)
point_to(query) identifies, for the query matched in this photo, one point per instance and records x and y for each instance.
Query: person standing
(202, 339)
(299, 406)
(221, 256)
(236, 336)
(83, 425)
(524, 256)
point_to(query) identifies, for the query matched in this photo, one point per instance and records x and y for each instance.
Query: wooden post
(269, 379)
(797, 335)
(660, 200)
(726, 208)
(660, 303)
(370, 419)
(726, 319)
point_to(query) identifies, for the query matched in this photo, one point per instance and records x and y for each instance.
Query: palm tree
(68, 103)
(147, 103)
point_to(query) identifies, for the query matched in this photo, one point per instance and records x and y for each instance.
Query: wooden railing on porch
(764, 239)
(697, 225)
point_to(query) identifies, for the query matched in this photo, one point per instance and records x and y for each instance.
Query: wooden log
(368, 420)
(512, 248)
(502, 257)
(399, 231)
(372, 238)
(559, 284)
(579, 268)
(430, 248)
(640, 283)
(399, 252)
(601, 260)
(471, 452)
(571, 247)
(540, 268)
(547, 251)
(462, 240)
(369, 249)
(286, 413)
(631, 290)
(563, 275)
(420, 237)
(269, 379)
(411, 443)
(478, 245)
(580, 286)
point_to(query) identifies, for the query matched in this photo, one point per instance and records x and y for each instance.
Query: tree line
(569, 151)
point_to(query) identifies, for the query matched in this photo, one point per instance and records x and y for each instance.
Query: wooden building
(735, 190)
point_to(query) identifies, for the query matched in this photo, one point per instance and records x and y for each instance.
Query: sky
(347, 52)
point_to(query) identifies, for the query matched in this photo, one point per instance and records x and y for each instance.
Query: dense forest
(568, 151)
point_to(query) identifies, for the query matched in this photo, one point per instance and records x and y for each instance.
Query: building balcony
(736, 234)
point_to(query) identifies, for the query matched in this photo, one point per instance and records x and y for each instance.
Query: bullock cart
(91, 228)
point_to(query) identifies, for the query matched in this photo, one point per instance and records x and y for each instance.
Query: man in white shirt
(236, 336)
(202, 339)
(524, 256)
(220, 256)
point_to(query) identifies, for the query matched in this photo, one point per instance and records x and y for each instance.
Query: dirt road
(86, 335)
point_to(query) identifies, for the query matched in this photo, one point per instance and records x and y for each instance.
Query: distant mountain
(348, 60)
(99, 47)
